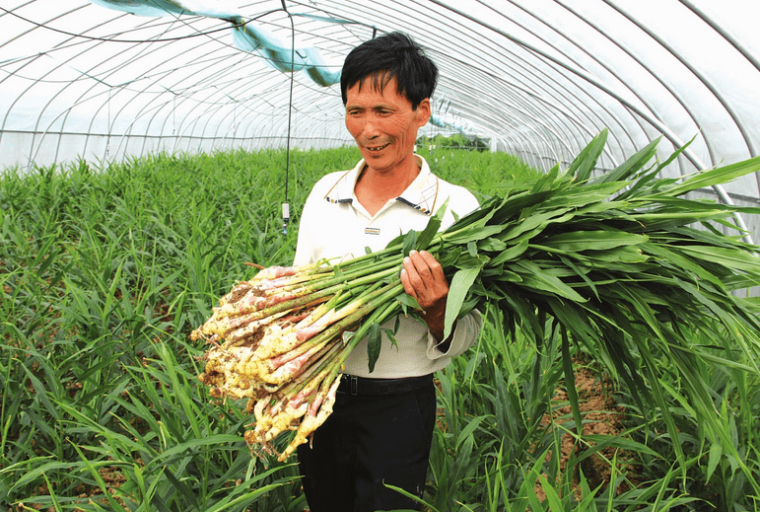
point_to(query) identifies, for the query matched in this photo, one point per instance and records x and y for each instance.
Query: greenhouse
(155, 154)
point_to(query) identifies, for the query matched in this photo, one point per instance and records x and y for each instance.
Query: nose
(370, 128)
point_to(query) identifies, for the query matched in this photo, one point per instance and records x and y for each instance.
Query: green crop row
(104, 272)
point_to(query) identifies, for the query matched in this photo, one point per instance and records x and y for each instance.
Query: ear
(423, 112)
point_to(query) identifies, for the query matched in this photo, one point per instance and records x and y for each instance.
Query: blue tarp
(246, 35)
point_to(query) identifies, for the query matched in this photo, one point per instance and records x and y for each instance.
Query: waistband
(360, 386)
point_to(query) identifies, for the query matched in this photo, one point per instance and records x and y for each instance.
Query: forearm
(464, 334)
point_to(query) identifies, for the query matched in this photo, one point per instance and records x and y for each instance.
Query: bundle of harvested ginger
(284, 337)
(611, 262)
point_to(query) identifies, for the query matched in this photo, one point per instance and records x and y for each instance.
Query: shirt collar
(421, 194)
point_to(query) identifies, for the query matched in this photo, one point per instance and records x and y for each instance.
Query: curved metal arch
(725, 34)
(110, 40)
(639, 61)
(614, 134)
(554, 114)
(520, 109)
(30, 61)
(523, 135)
(561, 105)
(143, 54)
(219, 124)
(162, 48)
(516, 133)
(225, 91)
(607, 68)
(653, 121)
(36, 26)
(528, 93)
(67, 111)
(302, 86)
(508, 52)
(89, 49)
(146, 107)
(127, 104)
(485, 72)
(534, 109)
(83, 98)
(704, 79)
(562, 52)
(217, 106)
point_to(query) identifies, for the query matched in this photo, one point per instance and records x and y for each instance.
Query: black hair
(393, 55)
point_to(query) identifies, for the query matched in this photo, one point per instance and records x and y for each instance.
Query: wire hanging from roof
(286, 204)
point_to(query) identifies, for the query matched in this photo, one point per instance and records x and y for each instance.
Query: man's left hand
(423, 279)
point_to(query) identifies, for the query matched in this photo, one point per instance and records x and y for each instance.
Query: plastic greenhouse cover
(104, 79)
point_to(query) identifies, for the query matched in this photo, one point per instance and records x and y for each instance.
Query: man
(381, 428)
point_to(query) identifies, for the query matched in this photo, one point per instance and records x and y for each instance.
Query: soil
(110, 475)
(601, 416)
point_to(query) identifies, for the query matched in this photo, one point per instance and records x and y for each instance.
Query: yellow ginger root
(265, 413)
(248, 331)
(276, 341)
(274, 272)
(224, 326)
(276, 372)
(312, 421)
(270, 358)
(259, 406)
(254, 301)
(232, 372)
(267, 430)
(317, 313)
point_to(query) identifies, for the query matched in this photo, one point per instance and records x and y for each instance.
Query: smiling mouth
(374, 149)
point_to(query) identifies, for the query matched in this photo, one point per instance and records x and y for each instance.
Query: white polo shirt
(334, 224)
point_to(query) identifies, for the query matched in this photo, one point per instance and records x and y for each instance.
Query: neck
(395, 180)
(374, 189)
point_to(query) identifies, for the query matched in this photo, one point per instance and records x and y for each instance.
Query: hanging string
(286, 205)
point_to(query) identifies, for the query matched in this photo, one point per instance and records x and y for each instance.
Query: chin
(369, 156)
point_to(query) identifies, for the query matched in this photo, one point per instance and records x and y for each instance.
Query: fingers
(408, 288)
(423, 269)
(423, 278)
(430, 265)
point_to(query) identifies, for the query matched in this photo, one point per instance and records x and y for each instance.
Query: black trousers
(369, 440)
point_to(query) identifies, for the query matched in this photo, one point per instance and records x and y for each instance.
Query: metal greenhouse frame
(108, 79)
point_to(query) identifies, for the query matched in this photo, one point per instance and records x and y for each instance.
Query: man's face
(384, 124)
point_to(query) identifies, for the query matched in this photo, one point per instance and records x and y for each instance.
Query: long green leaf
(584, 163)
(458, 289)
(577, 241)
(716, 176)
(538, 279)
(740, 260)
